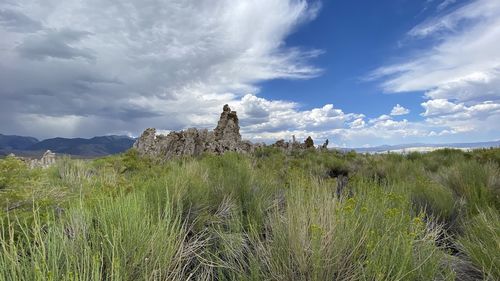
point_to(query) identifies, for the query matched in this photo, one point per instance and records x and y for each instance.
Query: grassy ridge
(266, 216)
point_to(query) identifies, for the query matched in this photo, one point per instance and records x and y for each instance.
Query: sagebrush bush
(13, 172)
(478, 184)
(265, 216)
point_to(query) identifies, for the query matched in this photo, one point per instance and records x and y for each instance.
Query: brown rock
(309, 143)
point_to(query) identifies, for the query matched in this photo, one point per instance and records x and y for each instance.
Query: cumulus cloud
(441, 107)
(399, 110)
(267, 120)
(456, 118)
(358, 123)
(123, 66)
(443, 111)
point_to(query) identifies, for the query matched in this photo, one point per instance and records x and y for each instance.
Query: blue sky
(360, 73)
(356, 41)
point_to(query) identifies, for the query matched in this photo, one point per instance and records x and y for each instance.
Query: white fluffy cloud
(441, 107)
(266, 120)
(399, 110)
(456, 118)
(444, 112)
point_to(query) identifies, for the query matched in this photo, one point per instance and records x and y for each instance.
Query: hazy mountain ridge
(383, 148)
(16, 142)
(96, 146)
(106, 145)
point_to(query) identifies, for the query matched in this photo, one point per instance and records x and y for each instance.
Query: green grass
(265, 216)
(481, 242)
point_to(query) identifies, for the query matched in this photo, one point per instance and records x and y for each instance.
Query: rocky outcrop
(324, 146)
(309, 143)
(48, 159)
(225, 137)
(294, 145)
(228, 128)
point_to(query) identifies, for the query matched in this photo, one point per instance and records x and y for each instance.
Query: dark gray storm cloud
(16, 21)
(82, 68)
(55, 44)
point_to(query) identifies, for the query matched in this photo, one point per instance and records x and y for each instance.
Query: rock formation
(309, 143)
(225, 137)
(48, 159)
(324, 146)
(191, 142)
(294, 145)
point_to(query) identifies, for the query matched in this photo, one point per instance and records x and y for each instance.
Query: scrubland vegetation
(266, 216)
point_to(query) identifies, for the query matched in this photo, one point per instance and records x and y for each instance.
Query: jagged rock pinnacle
(225, 137)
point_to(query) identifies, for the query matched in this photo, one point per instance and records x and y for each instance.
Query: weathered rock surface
(294, 145)
(324, 146)
(48, 159)
(309, 143)
(225, 137)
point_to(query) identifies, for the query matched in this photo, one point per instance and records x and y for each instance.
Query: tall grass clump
(477, 184)
(109, 239)
(434, 199)
(21, 187)
(318, 236)
(481, 242)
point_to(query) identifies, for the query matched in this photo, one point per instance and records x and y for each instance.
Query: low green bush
(13, 172)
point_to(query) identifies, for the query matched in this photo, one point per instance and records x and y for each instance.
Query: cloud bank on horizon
(83, 68)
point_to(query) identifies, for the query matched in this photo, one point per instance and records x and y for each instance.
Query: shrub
(266, 216)
(477, 184)
(13, 172)
(481, 242)
(435, 200)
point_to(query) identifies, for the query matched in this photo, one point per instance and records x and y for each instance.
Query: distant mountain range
(106, 145)
(93, 147)
(424, 147)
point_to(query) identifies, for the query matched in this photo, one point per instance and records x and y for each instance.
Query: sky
(359, 73)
